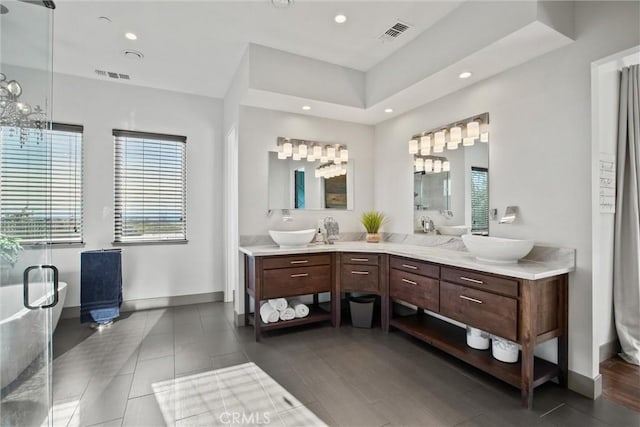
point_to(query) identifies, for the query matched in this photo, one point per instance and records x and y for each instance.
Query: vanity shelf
(452, 339)
(316, 315)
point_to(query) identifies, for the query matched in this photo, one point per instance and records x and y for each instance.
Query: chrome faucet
(427, 224)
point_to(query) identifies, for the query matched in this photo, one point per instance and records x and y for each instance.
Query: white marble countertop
(546, 264)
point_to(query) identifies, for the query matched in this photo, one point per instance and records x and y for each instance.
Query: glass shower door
(27, 280)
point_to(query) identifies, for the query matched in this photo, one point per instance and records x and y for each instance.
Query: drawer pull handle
(411, 282)
(412, 267)
(300, 262)
(300, 275)
(466, 279)
(477, 301)
(364, 273)
(360, 259)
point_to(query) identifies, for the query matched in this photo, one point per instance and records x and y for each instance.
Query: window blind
(41, 190)
(150, 187)
(479, 199)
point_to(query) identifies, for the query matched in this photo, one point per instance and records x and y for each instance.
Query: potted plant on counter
(372, 221)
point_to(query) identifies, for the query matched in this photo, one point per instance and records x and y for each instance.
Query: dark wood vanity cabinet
(528, 312)
(284, 276)
(363, 273)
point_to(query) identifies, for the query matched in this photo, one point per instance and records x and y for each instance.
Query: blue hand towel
(101, 285)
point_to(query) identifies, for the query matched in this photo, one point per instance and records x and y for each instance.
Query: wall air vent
(112, 75)
(394, 31)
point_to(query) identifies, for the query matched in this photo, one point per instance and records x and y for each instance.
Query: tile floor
(186, 366)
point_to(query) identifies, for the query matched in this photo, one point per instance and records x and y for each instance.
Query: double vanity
(525, 302)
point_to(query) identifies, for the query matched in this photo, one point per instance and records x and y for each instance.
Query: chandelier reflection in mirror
(332, 157)
(18, 115)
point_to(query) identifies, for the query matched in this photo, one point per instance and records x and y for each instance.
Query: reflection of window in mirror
(335, 192)
(479, 200)
(299, 188)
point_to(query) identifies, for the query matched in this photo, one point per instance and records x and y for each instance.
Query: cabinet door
(484, 310)
(414, 289)
(286, 282)
(359, 278)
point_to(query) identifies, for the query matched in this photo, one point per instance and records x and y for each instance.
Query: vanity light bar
(465, 131)
(431, 164)
(298, 149)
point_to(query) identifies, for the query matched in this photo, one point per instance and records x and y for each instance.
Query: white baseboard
(151, 303)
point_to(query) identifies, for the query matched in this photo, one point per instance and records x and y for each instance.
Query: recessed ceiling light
(306, 108)
(131, 36)
(388, 110)
(281, 4)
(340, 19)
(465, 75)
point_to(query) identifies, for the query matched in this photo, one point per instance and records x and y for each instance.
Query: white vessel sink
(292, 239)
(497, 250)
(452, 230)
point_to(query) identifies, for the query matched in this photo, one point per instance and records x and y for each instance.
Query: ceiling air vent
(394, 31)
(113, 75)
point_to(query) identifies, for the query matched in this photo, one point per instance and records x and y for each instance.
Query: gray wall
(540, 152)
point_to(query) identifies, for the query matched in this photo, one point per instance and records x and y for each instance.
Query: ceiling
(196, 46)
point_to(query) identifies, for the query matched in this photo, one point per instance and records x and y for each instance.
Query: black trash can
(361, 308)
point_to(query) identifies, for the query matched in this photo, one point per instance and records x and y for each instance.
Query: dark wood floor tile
(566, 416)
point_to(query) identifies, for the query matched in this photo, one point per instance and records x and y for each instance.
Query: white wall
(540, 152)
(151, 270)
(605, 100)
(259, 130)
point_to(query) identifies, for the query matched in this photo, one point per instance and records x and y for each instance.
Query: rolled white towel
(278, 303)
(288, 314)
(268, 314)
(302, 310)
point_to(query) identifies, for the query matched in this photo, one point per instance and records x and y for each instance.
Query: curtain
(626, 263)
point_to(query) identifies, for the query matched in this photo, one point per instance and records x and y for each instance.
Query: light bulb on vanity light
(455, 134)
(324, 159)
(452, 145)
(317, 151)
(419, 164)
(296, 156)
(311, 157)
(473, 129)
(413, 146)
(484, 137)
(437, 166)
(282, 155)
(446, 166)
(425, 145)
(344, 155)
(287, 148)
(439, 139)
(428, 165)
(331, 152)
(302, 150)
(468, 142)
(438, 148)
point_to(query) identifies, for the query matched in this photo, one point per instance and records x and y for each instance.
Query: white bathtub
(22, 331)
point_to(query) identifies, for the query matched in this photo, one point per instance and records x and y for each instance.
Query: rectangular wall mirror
(293, 185)
(451, 184)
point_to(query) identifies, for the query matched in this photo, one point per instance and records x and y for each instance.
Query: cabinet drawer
(490, 312)
(361, 278)
(480, 281)
(415, 267)
(414, 289)
(360, 259)
(286, 282)
(302, 260)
